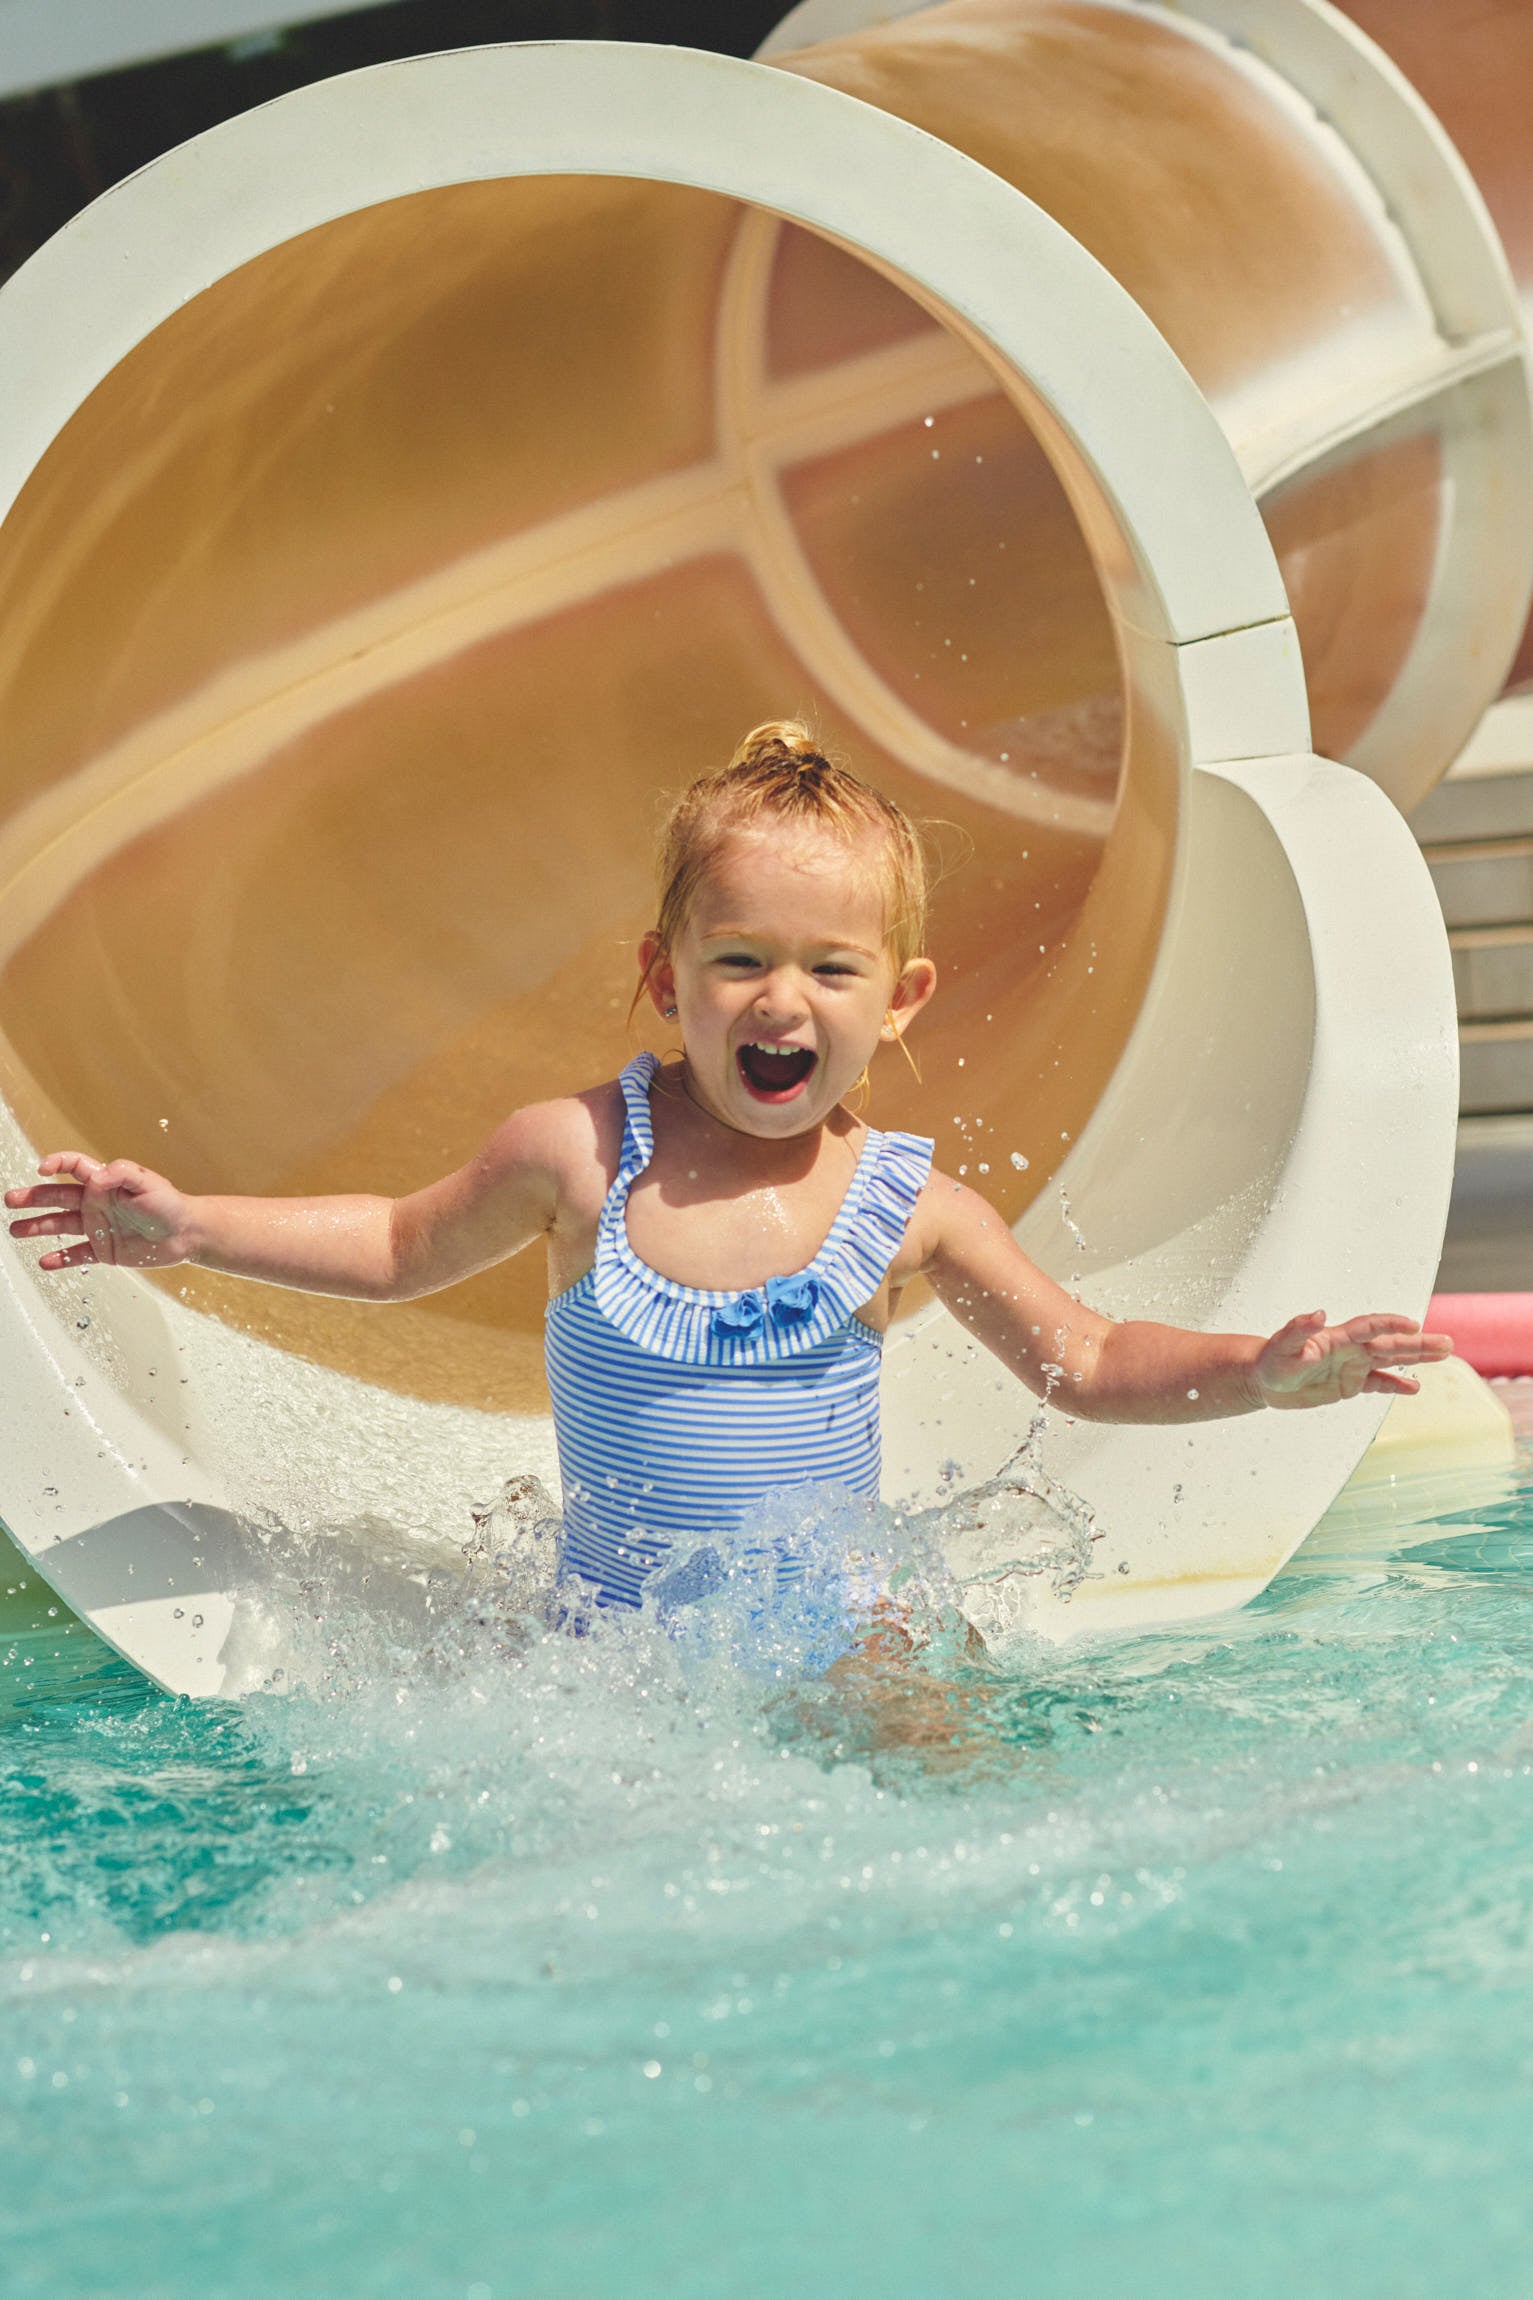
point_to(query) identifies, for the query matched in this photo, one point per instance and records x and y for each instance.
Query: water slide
(1110, 421)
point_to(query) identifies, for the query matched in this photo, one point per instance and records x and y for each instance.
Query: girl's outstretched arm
(375, 1249)
(1136, 1371)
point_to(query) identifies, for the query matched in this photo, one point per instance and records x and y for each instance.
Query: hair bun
(782, 743)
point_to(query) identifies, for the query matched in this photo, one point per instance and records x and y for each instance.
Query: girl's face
(782, 981)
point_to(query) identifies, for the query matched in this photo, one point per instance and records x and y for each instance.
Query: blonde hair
(779, 774)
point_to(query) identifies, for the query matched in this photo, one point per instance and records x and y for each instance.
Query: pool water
(1198, 1963)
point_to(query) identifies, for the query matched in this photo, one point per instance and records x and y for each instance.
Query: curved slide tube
(407, 482)
(1278, 198)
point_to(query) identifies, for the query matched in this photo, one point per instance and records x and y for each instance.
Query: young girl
(727, 1241)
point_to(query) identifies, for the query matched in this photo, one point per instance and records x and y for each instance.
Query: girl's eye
(736, 958)
(847, 970)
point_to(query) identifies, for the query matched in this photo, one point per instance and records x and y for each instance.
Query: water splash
(817, 1575)
(1076, 1277)
(1026, 1527)
(512, 1560)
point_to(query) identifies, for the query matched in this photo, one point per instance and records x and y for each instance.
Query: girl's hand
(121, 1213)
(1308, 1363)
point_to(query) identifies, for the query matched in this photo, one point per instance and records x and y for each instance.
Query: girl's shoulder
(574, 1140)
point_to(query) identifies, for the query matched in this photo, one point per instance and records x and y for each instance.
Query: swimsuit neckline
(639, 1150)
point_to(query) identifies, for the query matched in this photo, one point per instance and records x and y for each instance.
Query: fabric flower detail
(791, 1300)
(786, 1301)
(735, 1320)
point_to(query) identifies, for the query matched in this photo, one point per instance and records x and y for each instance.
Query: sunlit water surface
(1201, 1963)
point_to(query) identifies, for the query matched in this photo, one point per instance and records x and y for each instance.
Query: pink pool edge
(1491, 1332)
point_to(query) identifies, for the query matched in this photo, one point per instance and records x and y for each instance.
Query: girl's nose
(780, 1001)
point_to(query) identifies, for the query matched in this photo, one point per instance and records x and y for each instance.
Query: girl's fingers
(47, 1226)
(68, 1257)
(1416, 1350)
(1392, 1385)
(1293, 1338)
(47, 1194)
(69, 1162)
(1376, 1322)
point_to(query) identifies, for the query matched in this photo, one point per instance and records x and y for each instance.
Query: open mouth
(772, 1073)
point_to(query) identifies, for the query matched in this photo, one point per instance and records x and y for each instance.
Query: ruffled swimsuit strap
(637, 1151)
(869, 1231)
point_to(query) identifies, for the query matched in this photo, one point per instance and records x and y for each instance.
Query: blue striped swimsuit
(678, 1410)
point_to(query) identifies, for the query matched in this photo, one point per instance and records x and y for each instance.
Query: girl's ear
(914, 987)
(657, 976)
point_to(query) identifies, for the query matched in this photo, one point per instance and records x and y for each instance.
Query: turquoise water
(1202, 1963)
